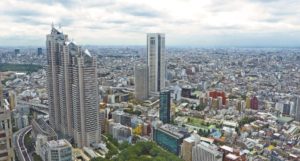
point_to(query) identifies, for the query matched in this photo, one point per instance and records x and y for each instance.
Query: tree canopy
(143, 151)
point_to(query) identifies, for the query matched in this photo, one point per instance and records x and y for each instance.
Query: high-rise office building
(141, 81)
(6, 147)
(39, 51)
(165, 106)
(17, 51)
(72, 90)
(254, 103)
(156, 61)
(286, 108)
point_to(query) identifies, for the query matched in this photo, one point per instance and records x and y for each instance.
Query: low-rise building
(169, 137)
(58, 150)
(206, 152)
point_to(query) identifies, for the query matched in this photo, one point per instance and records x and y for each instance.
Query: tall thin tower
(156, 61)
(72, 90)
(141, 81)
(165, 106)
(297, 108)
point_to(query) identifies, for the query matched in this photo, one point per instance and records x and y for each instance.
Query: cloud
(125, 22)
(272, 20)
(66, 21)
(22, 12)
(141, 11)
(28, 20)
(116, 21)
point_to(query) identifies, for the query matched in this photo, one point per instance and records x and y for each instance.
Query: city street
(19, 144)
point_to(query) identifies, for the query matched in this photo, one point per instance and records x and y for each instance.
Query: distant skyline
(236, 23)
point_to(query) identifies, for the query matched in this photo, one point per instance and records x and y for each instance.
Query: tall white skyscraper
(141, 81)
(72, 90)
(156, 61)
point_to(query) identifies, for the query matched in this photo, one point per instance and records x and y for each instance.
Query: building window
(152, 42)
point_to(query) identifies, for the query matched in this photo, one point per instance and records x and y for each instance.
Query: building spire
(52, 25)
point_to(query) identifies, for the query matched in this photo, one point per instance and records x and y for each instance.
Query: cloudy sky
(125, 22)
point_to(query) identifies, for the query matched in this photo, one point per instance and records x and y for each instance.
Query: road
(19, 144)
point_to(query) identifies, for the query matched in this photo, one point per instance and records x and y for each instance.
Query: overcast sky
(126, 22)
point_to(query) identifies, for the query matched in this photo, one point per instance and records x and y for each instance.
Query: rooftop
(172, 130)
(227, 148)
(58, 143)
(232, 156)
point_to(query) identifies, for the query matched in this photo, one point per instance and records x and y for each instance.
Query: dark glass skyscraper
(39, 51)
(165, 106)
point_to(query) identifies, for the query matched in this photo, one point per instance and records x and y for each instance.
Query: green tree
(36, 157)
(124, 145)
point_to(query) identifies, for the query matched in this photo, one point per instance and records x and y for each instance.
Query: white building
(176, 94)
(116, 116)
(156, 61)
(41, 140)
(206, 152)
(120, 132)
(58, 150)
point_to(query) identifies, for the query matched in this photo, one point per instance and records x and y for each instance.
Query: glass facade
(167, 141)
(165, 106)
(158, 63)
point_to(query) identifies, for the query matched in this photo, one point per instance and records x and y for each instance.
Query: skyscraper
(165, 106)
(39, 51)
(254, 103)
(297, 109)
(6, 148)
(156, 61)
(141, 81)
(1, 93)
(72, 90)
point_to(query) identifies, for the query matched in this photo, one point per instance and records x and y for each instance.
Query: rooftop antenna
(52, 24)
